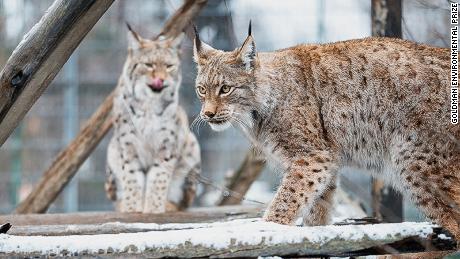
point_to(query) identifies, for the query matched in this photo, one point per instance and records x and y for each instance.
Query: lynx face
(225, 84)
(152, 68)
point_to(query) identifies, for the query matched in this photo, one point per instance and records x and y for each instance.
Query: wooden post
(241, 180)
(387, 204)
(69, 160)
(41, 54)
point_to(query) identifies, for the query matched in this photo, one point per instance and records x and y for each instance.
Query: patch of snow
(444, 237)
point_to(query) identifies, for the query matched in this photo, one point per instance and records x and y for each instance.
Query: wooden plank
(387, 204)
(235, 238)
(69, 160)
(41, 54)
(192, 215)
(243, 178)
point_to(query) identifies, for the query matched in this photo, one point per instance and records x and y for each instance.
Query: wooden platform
(233, 231)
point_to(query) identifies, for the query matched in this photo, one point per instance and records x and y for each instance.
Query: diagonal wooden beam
(244, 177)
(182, 18)
(69, 160)
(41, 54)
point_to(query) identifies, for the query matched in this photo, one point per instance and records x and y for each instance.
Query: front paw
(278, 218)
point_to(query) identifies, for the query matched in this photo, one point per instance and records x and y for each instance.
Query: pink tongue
(157, 83)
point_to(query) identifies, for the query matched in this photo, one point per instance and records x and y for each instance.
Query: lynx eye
(201, 90)
(169, 66)
(225, 89)
(149, 65)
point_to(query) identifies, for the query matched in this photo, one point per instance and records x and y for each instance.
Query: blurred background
(93, 70)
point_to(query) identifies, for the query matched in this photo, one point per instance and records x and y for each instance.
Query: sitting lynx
(378, 104)
(152, 154)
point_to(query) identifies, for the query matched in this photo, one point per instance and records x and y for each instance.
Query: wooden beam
(41, 54)
(387, 204)
(182, 18)
(68, 161)
(191, 215)
(242, 179)
(245, 238)
(66, 165)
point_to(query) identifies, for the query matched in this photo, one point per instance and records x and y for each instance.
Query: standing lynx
(377, 104)
(152, 154)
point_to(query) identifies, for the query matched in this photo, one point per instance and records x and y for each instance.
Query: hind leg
(428, 171)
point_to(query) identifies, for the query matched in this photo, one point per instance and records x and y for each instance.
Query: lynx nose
(210, 114)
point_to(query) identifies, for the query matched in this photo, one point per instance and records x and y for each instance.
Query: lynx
(377, 104)
(152, 157)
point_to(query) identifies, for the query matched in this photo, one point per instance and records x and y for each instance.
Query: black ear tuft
(197, 38)
(133, 33)
(250, 28)
(129, 26)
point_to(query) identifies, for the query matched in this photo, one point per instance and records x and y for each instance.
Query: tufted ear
(247, 53)
(134, 40)
(201, 50)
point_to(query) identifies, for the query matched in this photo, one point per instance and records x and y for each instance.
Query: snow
(218, 235)
(444, 237)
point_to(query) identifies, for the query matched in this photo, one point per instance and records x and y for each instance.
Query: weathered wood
(192, 215)
(420, 255)
(89, 229)
(41, 54)
(182, 18)
(387, 204)
(68, 161)
(236, 238)
(242, 179)
(66, 165)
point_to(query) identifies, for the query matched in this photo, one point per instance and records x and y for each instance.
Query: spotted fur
(152, 157)
(377, 104)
